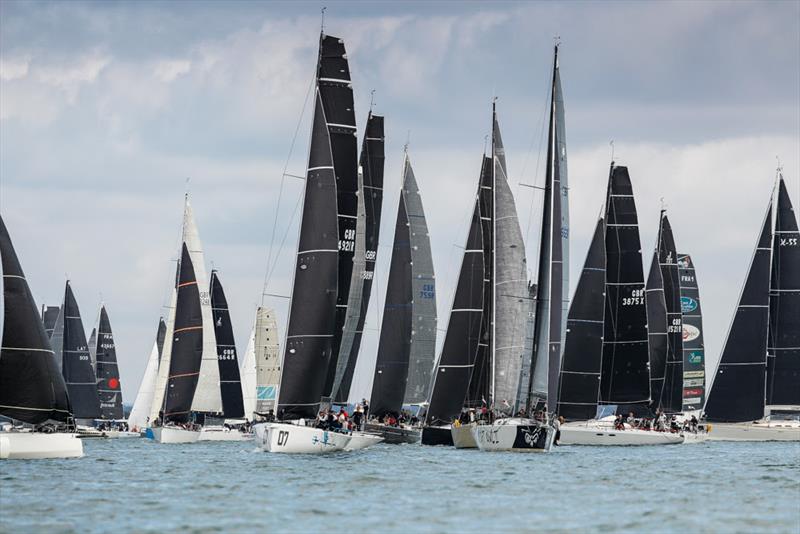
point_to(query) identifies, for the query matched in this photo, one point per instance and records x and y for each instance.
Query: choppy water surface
(137, 485)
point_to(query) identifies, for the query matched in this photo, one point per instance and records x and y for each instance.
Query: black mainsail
(583, 347)
(32, 389)
(370, 203)
(656, 326)
(694, 368)
(313, 312)
(625, 376)
(229, 380)
(671, 398)
(77, 367)
(49, 318)
(108, 383)
(187, 344)
(738, 391)
(783, 356)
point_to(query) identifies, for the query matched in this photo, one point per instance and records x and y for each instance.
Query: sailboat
(755, 395)
(527, 433)
(407, 342)
(326, 246)
(109, 389)
(230, 381)
(187, 386)
(69, 343)
(32, 389)
(610, 372)
(139, 418)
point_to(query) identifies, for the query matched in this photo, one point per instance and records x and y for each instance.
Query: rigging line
(268, 272)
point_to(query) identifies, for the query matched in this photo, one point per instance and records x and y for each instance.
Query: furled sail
(32, 389)
(140, 412)
(187, 345)
(625, 377)
(370, 201)
(580, 367)
(694, 368)
(738, 391)
(783, 357)
(76, 367)
(109, 388)
(455, 366)
(229, 380)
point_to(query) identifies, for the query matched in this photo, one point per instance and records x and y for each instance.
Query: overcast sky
(107, 108)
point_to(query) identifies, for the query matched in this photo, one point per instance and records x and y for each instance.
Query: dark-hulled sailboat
(32, 389)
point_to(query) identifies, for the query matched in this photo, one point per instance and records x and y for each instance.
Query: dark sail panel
(656, 329)
(737, 393)
(32, 389)
(783, 363)
(394, 347)
(77, 366)
(49, 318)
(694, 367)
(625, 375)
(580, 367)
(160, 335)
(230, 382)
(671, 393)
(453, 371)
(187, 345)
(336, 95)
(108, 385)
(312, 311)
(371, 191)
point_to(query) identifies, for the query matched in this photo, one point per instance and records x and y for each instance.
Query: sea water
(135, 485)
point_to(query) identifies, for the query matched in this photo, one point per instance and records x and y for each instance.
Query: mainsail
(370, 201)
(580, 367)
(738, 391)
(656, 326)
(140, 412)
(783, 357)
(455, 366)
(108, 383)
(408, 332)
(625, 377)
(313, 311)
(229, 381)
(76, 367)
(671, 395)
(694, 369)
(32, 389)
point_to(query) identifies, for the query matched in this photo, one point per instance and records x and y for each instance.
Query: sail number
(348, 244)
(636, 298)
(205, 300)
(283, 437)
(428, 291)
(227, 354)
(370, 255)
(675, 327)
(788, 241)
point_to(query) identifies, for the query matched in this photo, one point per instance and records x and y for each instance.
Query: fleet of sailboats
(521, 366)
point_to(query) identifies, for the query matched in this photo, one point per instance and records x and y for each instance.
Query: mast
(109, 388)
(739, 388)
(579, 386)
(32, 389)
(783, 358)
(313, 312)
(229, 380)
(77, 368)
(370, 200)
(694, 369)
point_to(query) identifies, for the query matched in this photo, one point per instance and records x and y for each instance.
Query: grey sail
(57, 338)
(49, 318)
(93, 349)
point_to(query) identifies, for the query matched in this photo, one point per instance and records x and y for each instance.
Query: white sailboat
(139, 418)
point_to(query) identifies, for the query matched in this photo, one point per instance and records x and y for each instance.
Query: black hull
(437, 435)
(394, 435)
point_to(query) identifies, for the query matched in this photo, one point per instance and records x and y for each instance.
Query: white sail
(166, 357)
(144, 398)
(268, 360)
(207, 396)
(248, 374)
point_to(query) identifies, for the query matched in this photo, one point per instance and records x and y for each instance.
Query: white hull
(592, 433)
(121, 434)
(36, 445)
(168, 434)
(695, 437)
(772, 431)
(288, 438)
(522, 435)
(362, 440)
(220, 433)
(462, 436)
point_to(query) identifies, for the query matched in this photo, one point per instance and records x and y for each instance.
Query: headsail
(229, 381)
(694, 368)
(140, 412)
(49, 318)
(261, 370)
(32, 389)
(109, 388)
(76, 368)
(656, 328)
(671, 395)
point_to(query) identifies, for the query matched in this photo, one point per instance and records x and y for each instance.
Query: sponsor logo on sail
(694, 374)
(695, 357)
(692, 392)
(693, 400)
(688, 305)
(265, 393)
(690, 332)
(693, 382)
